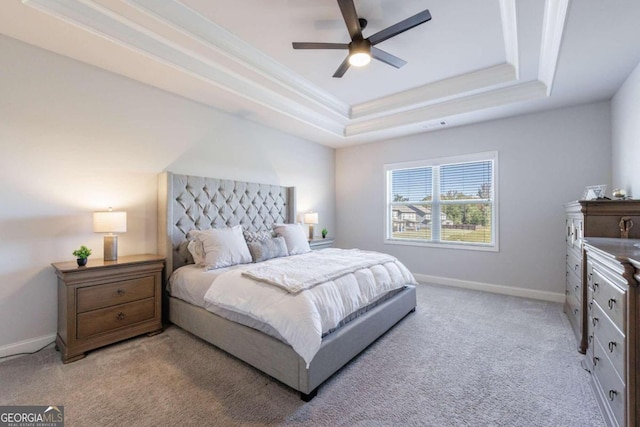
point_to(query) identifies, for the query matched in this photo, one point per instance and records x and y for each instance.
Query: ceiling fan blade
(400, 27)
(350, 16)
(309, 45)
(342, 68)
(387, 58)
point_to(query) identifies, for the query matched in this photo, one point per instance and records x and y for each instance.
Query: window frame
(437, 203)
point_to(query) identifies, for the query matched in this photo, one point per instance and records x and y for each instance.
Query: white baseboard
(488, 287)
(26, 346)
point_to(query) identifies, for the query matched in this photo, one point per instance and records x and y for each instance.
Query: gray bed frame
(188, 202)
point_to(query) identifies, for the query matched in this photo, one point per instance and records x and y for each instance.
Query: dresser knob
(612, 345)
(576, 267)
(595, 361)
(120, 292)
(611, 302)
(594, 321)
(595, 286)
(612, 394)
(121, 316)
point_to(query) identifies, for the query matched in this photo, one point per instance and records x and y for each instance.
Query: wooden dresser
(590, 218)
(107, 301)
(613, 355)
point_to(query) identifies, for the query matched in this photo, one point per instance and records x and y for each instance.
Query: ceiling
(474, 61)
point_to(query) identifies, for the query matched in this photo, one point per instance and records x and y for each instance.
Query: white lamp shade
(311, 218)
(109, 222)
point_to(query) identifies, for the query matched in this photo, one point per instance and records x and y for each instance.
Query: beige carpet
(465, 358)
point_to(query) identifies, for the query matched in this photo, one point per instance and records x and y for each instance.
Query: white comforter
(302, 318)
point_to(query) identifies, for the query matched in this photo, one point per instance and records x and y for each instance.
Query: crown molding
(508, 12)
(480, 101)
(102, 22)
(436, 92)
(187, 21)
(555, 16)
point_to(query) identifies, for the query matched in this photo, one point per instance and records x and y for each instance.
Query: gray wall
(76, 139)
(625, 116)
(545, 160)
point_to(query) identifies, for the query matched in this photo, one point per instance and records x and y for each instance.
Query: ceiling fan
(361, 50)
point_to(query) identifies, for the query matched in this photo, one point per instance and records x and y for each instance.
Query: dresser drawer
(574, 285)
(610, 337)
(573, 312)
(95, 297)
(611, 387)
(111, 318)
(611, 299)
(574, 261)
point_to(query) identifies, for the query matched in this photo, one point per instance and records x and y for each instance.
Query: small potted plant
(324, 233)
(81, 255)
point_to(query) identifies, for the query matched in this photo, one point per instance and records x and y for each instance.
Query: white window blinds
(448, 202)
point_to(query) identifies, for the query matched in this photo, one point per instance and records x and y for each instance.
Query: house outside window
(460, 192)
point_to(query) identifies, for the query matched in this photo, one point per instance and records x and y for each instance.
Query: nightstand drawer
(95, 297)
(108, 319)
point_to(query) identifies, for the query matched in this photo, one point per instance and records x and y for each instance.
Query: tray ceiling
(473, 61)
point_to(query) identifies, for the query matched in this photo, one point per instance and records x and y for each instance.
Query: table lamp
(311, 218)
(110, 222)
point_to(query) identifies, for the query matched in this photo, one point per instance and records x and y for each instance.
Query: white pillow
(196, 250)
(294, 237)
(222, 247)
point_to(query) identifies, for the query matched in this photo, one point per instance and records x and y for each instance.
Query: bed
(189, 203)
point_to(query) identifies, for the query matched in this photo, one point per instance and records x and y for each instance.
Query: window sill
(466, 247)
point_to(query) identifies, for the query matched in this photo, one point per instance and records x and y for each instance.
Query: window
(448, 202)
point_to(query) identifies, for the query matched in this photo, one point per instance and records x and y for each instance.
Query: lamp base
(310, 231)
(111, 247)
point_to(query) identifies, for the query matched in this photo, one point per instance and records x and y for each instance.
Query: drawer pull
(595, 360)
(595, 286)
(612, 394)
(590, 338)
(612, 345)
(611, 302)
(121, 316)
(576, 267)
(594, 321)
(120, 292)
(575, 311)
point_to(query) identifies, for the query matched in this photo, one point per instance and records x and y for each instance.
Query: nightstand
(316, 244)
(106, 302)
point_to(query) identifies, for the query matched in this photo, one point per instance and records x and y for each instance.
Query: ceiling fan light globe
(359, 59)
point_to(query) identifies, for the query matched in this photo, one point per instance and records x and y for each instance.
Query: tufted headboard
(189, 202)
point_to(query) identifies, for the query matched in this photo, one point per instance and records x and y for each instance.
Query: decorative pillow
(184, 252)
(257, 236)
(266, 249)
(222, 246)
(294, 236)
(196, 250)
